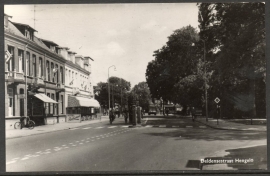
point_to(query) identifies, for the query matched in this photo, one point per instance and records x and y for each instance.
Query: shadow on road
(210, 134)
(241, 159)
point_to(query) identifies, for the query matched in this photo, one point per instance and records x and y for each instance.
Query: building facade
(39, 76)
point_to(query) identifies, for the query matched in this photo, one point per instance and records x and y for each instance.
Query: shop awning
(44, 98)
(74, 101)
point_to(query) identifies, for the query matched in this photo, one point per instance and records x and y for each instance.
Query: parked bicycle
(30, 124)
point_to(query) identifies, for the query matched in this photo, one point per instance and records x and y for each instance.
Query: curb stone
(222, 128)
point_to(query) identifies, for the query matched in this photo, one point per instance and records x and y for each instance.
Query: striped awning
(74, 101)
(44, 98)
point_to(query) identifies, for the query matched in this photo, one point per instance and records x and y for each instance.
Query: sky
(124, 35)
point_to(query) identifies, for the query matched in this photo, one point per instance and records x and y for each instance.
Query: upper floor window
(28, 63)
(40, 66)
(61, 75)
(10, 61)
(21, 60)
(34, 69)
(47, 70)
(56, 73)
(52, 73)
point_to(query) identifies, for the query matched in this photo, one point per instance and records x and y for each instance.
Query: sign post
(217, 100)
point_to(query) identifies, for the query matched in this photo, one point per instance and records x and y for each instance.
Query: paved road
(168, 143)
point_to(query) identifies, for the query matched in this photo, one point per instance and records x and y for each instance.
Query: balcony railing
(38, 81)
(14, 74)
(60, 85)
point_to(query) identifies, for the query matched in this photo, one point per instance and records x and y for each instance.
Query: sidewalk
(229, 125)
(15, 133)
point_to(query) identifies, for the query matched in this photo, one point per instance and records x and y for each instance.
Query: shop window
(52, 105)
(62, 104)
(21, 91)
(11, 102)
(48, 107)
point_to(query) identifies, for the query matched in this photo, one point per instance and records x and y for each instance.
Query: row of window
(50, 107)
(72, 78)
(53, 72)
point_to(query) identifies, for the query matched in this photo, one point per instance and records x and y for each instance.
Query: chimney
(6, 20)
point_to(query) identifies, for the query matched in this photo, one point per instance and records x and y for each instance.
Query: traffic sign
(217, 100)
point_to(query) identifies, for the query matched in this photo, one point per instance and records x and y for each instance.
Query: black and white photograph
(135, 87)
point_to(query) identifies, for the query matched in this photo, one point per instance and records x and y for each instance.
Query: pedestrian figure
(22, 119)
(111, 115)
(125, 115)
(193, 113)
(167, 112)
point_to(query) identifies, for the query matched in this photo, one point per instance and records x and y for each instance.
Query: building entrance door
(10, 107)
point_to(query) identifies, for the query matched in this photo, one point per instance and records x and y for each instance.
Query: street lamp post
(109, 82)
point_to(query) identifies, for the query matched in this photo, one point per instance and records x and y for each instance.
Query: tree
(142, 92)
(118, 91)
(235, 36)
(174, 71)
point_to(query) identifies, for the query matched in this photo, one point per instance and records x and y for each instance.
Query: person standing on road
(193, 113)
(111, 115)
(125, 115)
(167, 112)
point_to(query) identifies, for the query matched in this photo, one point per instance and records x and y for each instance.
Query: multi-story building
(35, 76)
(78, 87)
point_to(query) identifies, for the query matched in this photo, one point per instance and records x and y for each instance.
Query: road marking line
(15, 158)
(86, 128)
(189, 126)
(99, 127)
(87, 141)
(125, 126)
(97, 138)
(77, 141)
(147, 126)
(11, 162)
(112, 127)
(70, 143)
(82, 140)
(74, 128)
(93, 140)
(63, 145)
(202, 126)
(24, 158)
(81, 143)
(74, 145)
